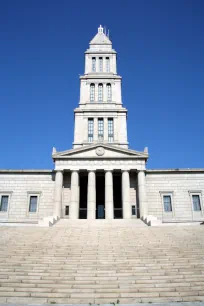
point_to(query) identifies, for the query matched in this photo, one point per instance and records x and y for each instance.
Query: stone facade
(181, 185)
(100, 177)
(19, 186)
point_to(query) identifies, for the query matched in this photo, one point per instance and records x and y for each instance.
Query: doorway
(117, 195)
(100, 195)
(83, 182)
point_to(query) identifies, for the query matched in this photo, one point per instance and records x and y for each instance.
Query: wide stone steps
(101, 262)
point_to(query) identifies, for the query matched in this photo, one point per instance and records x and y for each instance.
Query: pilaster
(142, 194)
(58, 193)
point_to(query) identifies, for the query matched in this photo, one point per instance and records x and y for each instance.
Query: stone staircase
(101, 262)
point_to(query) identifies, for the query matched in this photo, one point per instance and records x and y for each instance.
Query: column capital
(125, 170)
(108, 170)
(91, 170)
(74, 170)
(59, 171)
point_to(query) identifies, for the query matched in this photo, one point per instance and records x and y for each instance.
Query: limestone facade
(100, 177)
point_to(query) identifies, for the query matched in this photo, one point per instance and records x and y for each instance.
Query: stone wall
(19, 185)
(180, 185)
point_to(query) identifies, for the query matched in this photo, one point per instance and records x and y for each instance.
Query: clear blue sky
(160, 46)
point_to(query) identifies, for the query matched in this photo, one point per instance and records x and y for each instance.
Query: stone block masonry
(180, 184)
(19, 185)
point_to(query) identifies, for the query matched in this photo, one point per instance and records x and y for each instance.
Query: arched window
(100, 92)
(92, 92)
(109, 92)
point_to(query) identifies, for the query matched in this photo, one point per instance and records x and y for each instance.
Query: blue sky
(160, 47)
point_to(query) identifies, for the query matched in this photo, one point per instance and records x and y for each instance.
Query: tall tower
(100, 116)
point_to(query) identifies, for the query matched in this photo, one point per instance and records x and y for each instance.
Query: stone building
(100, 177)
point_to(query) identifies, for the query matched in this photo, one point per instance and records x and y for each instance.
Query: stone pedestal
(58, 193)
(142, 194)
(74, 199)
(126, 195)
(91, 195)
(109, 194)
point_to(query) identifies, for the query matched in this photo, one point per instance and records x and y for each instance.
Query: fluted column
(126, 195)
(58, 193)
(142, 193)
(74, 198)
(91, 195)
(109, 194)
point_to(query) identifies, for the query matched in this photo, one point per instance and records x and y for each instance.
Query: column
(104, 92)
(142, 194)
(91, 195)
(58, 193)
(109, 194)
(105, 129)
(85, 128)
(96, 92)
(74, 198)
(115, 129)
(95, 130)
(126, 194)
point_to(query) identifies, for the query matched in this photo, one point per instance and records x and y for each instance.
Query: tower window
(100, 64)
(107, 64)
(92, 92)
(109, 92)
(110, 129)
(90, 129)
(93, 64)
(100, 92)
(100, 129)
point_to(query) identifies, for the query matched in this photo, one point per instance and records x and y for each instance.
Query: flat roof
(26, 171)
(173, 170)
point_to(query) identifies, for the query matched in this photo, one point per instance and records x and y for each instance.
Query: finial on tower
(54, 150)
(100, 29)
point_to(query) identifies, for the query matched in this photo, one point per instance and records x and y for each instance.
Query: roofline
(89, 51)
(176, 170)
(39, 171)
(99, 158)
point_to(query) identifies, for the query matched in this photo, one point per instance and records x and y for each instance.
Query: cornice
(100, 76)
(26, 171)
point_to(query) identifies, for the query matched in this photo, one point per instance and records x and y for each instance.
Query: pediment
(99, 151)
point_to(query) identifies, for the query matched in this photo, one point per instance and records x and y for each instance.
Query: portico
(100, 184)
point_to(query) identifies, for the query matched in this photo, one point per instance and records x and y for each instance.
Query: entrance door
(83, 196)
(100, 195)
(100, 211)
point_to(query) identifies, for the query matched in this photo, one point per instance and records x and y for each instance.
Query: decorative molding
(100, 151)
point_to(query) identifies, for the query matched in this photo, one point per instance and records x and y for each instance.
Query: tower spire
(100, 29)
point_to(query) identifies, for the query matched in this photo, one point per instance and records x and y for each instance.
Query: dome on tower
(100, 38)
